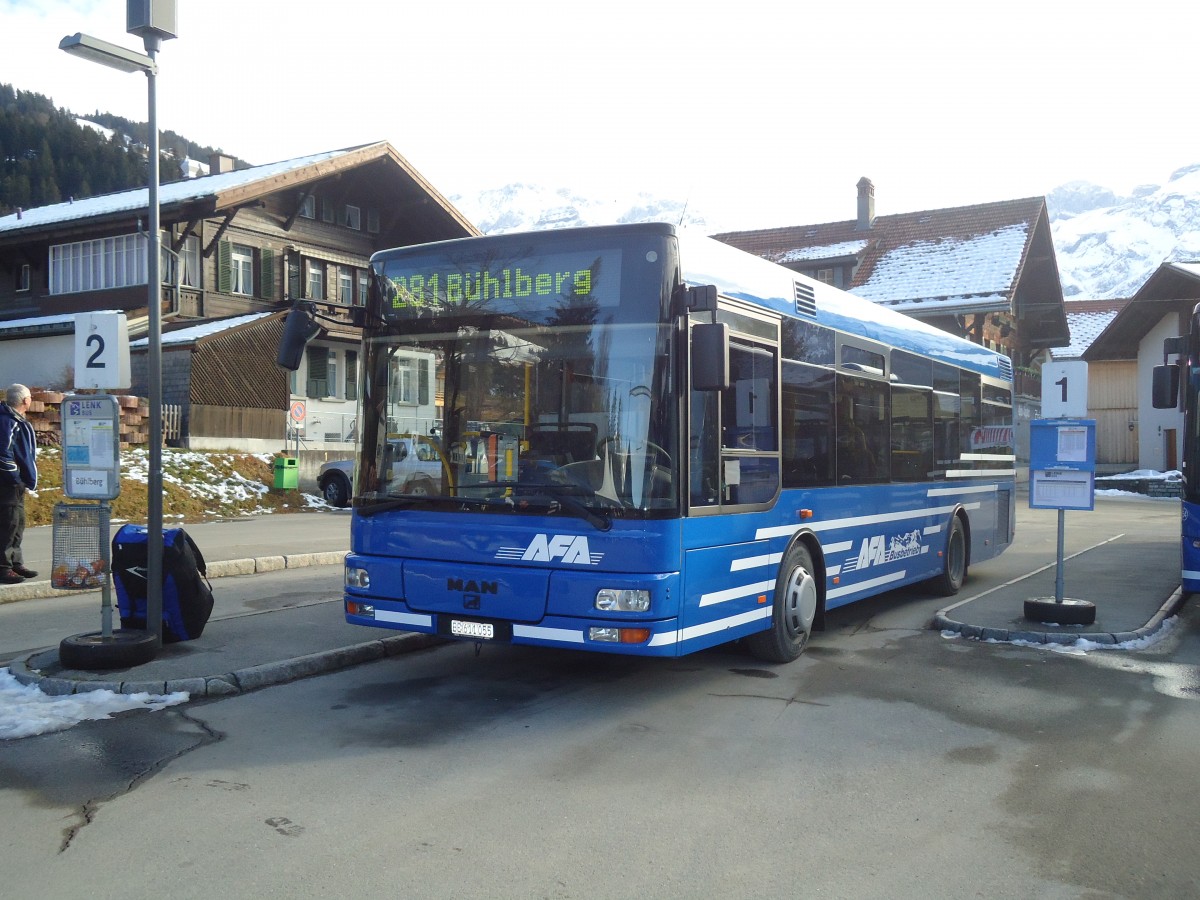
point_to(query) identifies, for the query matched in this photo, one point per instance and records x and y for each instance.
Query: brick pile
(46, 419)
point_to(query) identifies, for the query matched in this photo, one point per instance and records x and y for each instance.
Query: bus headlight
(357, 578)
(619, 600)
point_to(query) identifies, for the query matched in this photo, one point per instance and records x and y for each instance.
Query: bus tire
(797, 599)
(954, 560)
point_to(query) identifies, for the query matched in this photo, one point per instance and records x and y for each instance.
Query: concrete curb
(27, 670)
(41, 590)
(942, 622)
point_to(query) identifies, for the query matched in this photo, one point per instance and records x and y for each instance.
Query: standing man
(18, 473)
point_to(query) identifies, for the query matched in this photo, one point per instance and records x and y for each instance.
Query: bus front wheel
(794, 610)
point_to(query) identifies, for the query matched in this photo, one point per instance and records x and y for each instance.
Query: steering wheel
(600, 447)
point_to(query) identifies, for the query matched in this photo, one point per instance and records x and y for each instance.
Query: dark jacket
(18, 448)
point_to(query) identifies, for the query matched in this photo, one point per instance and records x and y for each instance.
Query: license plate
(485, 631)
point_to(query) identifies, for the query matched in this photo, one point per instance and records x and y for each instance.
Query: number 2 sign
(1064, 390)
(101, 351)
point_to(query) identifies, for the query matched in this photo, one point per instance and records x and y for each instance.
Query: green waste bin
(287, 475)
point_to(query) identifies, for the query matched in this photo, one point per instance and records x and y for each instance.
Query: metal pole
(1058, 577)
(154, 505)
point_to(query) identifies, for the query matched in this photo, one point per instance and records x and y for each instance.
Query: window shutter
(266, 273)
(295, 284)
(224, 267)
(422, 381)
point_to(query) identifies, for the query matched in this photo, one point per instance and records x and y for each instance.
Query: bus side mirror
(1166, 387)
(710, 357)
(298, 329)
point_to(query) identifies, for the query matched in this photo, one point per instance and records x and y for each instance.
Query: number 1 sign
(1064, 390)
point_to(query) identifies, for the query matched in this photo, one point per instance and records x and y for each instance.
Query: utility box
(155, 18)
(287, 473)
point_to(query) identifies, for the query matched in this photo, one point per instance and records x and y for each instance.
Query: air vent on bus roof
(1006, 368)
(806, 300)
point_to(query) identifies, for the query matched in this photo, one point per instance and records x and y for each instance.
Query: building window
(316, 279)
(345, 285)
(98, 265)
(327, 214)
(188, 261)
(319, 372)
(308, 207)
(362, 289)
(351, 375)
(825, 276)
(241, 261)
(352, 217)
(23, 279)
(373, 221)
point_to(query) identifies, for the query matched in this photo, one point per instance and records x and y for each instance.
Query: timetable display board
(1062, 464)
(91, 447)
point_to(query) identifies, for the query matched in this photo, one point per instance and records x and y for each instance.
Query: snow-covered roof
(204, 329)
(33, 325)
(1087, 320)
(175, 192)
(926, 274)
(829, 251)
(965, 259)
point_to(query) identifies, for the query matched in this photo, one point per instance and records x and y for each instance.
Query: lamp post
(153, 21)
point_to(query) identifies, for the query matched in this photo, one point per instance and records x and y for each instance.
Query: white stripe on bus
(755, 562)
(736, 593)
(383, 615)
(694, 631)
(832, 593)
(541, 633)
(853, 521)
(976, 489)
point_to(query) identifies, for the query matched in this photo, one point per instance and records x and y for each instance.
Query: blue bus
(1177, 386)
(649, 442)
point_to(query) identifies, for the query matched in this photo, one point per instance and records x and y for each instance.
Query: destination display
(536, 283)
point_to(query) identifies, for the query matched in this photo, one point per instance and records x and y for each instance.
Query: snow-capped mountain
(1107, 245)
(524, 207)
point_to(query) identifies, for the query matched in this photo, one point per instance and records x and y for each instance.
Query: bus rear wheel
(795, 609)
(954, 560)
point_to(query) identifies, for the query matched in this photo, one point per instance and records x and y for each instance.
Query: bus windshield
(524, 380)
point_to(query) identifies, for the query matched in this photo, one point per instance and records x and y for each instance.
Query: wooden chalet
(1161, 308)
(1111, 385)
(236, 242)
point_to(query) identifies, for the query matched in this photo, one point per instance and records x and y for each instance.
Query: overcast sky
(758, 114)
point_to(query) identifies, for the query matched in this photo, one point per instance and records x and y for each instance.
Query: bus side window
(862, 431)
(807, 427)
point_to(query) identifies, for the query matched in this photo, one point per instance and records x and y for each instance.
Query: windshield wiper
(555, 497)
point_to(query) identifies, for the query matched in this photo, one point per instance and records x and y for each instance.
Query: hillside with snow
(1107, 245)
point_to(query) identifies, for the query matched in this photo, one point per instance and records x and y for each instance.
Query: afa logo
(572, 549)
(878, 550)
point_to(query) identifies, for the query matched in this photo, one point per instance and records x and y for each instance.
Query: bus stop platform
(1131, 577)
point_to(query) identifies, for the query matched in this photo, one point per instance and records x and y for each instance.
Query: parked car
(416, 468)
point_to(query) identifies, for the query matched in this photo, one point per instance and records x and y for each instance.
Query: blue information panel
(1062, 463)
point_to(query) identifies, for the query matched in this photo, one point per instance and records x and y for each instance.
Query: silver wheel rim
(799, 602)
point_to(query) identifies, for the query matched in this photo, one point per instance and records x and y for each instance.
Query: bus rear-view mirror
(1165, 387)
(710, 357)
(298, 329)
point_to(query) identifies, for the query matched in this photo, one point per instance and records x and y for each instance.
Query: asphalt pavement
(1124, 557)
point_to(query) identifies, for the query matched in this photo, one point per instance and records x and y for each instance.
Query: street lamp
(154, 22)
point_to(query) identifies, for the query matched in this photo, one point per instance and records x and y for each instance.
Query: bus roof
(743, 276)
